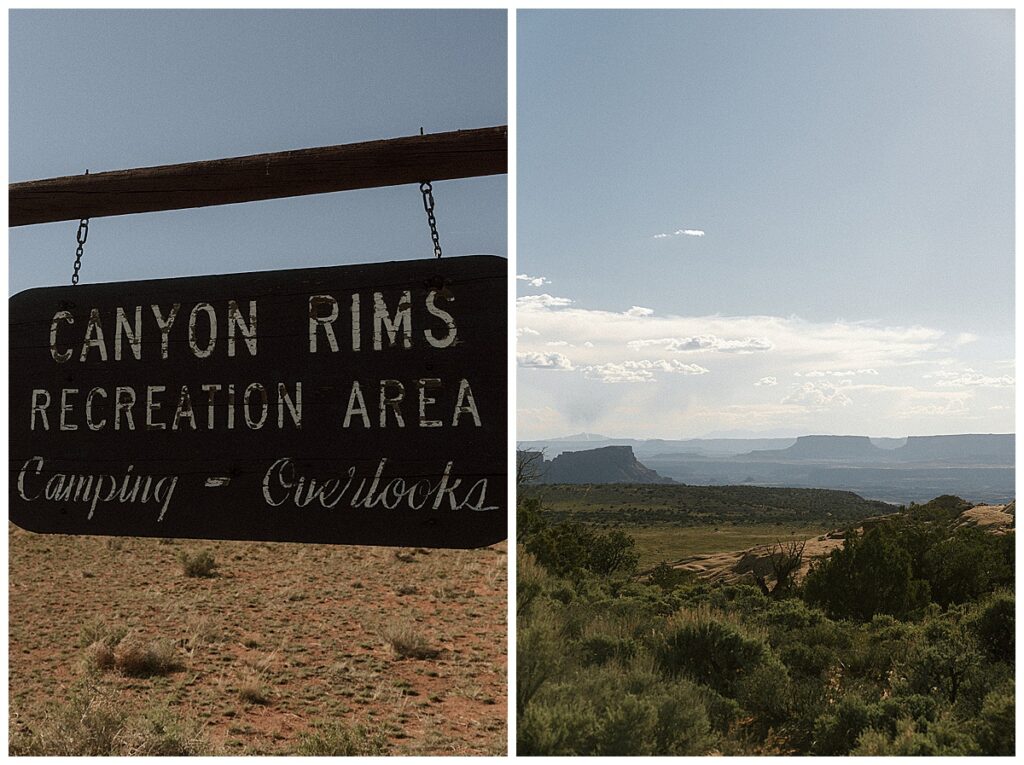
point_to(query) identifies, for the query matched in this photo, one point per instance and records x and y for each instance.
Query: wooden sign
(351, 405)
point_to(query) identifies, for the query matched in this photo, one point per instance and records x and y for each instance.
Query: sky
(110, 90)
(765, 223)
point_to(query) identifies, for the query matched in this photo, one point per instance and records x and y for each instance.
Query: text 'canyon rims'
(355, 405)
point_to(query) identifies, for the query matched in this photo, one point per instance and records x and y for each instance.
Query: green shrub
(566, 549)
(765, 690)
(616, 711)
(964, 566)
(668, 578)
(994, 627)
(540, 655)
(869, 575)
(199, 564)
(709, 650)
(914, 739)
(994, 728)
(836, 732)
(600, 649)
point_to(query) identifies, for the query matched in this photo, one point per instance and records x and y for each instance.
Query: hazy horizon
(751, 435)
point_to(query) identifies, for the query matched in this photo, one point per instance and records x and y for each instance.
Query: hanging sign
(352, 405)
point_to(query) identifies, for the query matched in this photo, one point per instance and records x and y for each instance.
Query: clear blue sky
(108, 90)
(812, 211)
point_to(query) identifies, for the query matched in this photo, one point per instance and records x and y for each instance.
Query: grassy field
(666, 543)
(670, 522)
(675, 505)
(408, 645)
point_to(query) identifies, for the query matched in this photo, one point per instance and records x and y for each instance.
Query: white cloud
(817, 396)
(681, 232)
(551, 360)
(640, 371)
(533, 281)
(835, 372)
(968, 378)
(638, 310)
(524, 331)
(556, 343)
(705, 343)
(542, 301)
(766, 381)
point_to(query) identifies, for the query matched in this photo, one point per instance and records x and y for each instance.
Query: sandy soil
(308, 624)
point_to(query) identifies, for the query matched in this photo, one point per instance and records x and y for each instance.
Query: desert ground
(404, 650)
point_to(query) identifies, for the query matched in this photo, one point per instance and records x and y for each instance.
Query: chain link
(428, 204)
(81, 236)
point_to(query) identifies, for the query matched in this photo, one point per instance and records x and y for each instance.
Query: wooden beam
(413, 159)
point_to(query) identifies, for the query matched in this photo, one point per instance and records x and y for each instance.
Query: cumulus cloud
(705, 343)
(533, 281)
(835, 372)
(642, 370)
(817, 396)
(557, 343)
(638, 310)
(542, 301)
(551, 360)
(525, 331)
(794, 343)
(661, 236)
(766, 382)
(968, 378)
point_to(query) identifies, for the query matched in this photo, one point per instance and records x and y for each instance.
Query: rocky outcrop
(608, 464)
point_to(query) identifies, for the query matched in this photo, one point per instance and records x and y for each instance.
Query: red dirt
(309, 624)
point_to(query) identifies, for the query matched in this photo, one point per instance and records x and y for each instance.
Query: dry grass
(91, 722)
(199, 564)
(409, 642)
(318, 659)
(135, 656)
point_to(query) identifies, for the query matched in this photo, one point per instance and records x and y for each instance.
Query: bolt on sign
(352, 405)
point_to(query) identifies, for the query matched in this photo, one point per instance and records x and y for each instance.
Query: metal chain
(428, 204)
(81, 236)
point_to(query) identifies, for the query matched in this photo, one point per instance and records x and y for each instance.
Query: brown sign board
(350, 405)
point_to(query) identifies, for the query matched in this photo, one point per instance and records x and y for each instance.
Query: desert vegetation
(129, 646)
(899, 642)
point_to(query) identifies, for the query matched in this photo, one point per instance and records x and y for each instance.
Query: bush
(994, 627)
(409, 643)
(567, 549)
(136, 657)
(964, 566)
(869, 575)
(709, 650)
(200, 564)
(994, 727)
(337, 740)
(616, 711)
(540, 654)
(913, 739)
(98, 630)
(836, 732)
(92, 723)
(668, 578)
